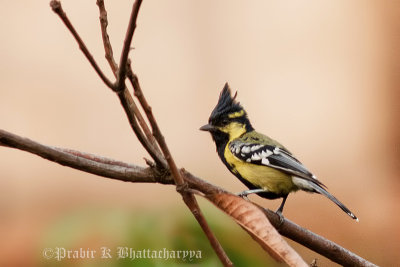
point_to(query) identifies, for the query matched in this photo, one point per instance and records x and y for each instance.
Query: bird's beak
(207, 127)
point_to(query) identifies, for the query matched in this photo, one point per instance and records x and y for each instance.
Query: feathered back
(226, 104)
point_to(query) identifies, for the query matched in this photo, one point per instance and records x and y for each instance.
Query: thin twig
(145, 127)
(129, 172)
(192, 204)
(106, 40)
(188, 197)
(57, 8)
(124, 97)
(180, 183)
(156, 130)
(127, 103)
(109, 55)
(120, 83)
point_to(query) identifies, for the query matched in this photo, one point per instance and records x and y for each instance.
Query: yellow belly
(264, 177)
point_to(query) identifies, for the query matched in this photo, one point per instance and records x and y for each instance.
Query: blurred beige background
(322, 77)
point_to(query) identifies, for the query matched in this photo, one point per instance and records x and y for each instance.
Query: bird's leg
(280, 209)
(244, 194)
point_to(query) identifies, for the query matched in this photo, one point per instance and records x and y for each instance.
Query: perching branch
(117, 170)
(316, 242)
(83, 161)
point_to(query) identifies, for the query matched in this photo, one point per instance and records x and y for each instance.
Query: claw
(243, 195)
(281, 218)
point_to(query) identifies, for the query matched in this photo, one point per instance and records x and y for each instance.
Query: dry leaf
(254, 221)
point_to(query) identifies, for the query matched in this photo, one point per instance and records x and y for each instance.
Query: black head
(228, 119)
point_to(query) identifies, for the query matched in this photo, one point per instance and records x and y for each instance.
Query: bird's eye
(225, 121)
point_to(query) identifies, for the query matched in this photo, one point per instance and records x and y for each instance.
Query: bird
(265, 166)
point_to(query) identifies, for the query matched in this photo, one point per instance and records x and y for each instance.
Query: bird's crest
(226, 104)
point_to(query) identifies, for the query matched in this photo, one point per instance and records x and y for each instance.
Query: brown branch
(124, 95)
(181, 185)
(193, 206)
(187, 196)
(109, 55)
(156, 130)
(315, 242)
(144, 126)
(106, 40)
(128, 105)
(57, 8)
(132, 173)
(83, 161)
(120, 83)
(289, 229)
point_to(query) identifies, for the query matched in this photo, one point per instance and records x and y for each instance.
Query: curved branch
(132, 173)
(84, 161)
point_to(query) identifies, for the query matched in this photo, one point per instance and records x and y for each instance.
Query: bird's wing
(271, 156)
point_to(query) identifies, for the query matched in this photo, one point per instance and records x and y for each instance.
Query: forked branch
(165, 162)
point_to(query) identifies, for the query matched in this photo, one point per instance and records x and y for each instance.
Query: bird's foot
(243, 195)
(251, 191)
(281, 218)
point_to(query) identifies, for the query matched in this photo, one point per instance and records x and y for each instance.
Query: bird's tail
(322, 191)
